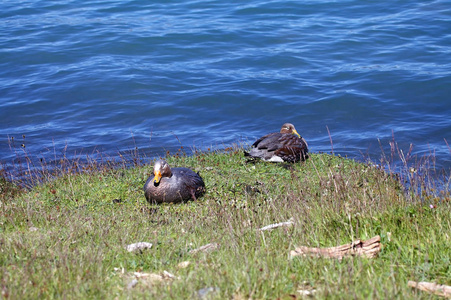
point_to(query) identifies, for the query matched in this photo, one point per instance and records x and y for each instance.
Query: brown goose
(173, 185)
(284, 146)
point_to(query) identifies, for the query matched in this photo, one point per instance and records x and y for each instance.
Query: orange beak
(157, 177)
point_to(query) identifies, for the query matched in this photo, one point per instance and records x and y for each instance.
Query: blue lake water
(109, 76)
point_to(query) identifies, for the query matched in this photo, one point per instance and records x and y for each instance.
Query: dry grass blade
(369, 248)
(432, 288)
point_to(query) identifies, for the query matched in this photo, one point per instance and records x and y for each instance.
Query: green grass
(66, 238)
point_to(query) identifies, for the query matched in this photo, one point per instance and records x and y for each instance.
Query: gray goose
(173, 185)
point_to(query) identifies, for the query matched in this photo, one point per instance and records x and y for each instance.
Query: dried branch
(205, 248)
(282, 224)
(369, 248)
(149, 278)
(432, 288)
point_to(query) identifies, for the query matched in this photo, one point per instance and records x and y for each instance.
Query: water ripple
(118, 74)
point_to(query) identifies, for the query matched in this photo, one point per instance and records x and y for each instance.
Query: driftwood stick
(369, 248)
(205, 248)
(432, 288)
(282, 224)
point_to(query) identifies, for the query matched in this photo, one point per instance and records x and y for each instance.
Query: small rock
(203, 293)
(138, 246)
(132, 284)
(183, 264)
(307, 292)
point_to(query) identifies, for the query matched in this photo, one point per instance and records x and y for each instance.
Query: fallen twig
(205, 248)
(432, 288)
(369, 248)
(149, 278)
(272, 226)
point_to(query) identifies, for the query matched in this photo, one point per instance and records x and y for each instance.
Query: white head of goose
(284, 146)
(173, 185)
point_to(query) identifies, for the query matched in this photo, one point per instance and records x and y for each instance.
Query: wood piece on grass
(167, 275)
(432, 288)
(148, 279)
(369, 248)
(205, 248)
(152, 277)
(138, 246)
(282, 224)
(184, 264)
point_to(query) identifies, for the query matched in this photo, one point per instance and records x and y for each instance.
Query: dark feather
(278, 146)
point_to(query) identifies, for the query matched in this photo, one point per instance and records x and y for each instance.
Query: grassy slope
(64, 239)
